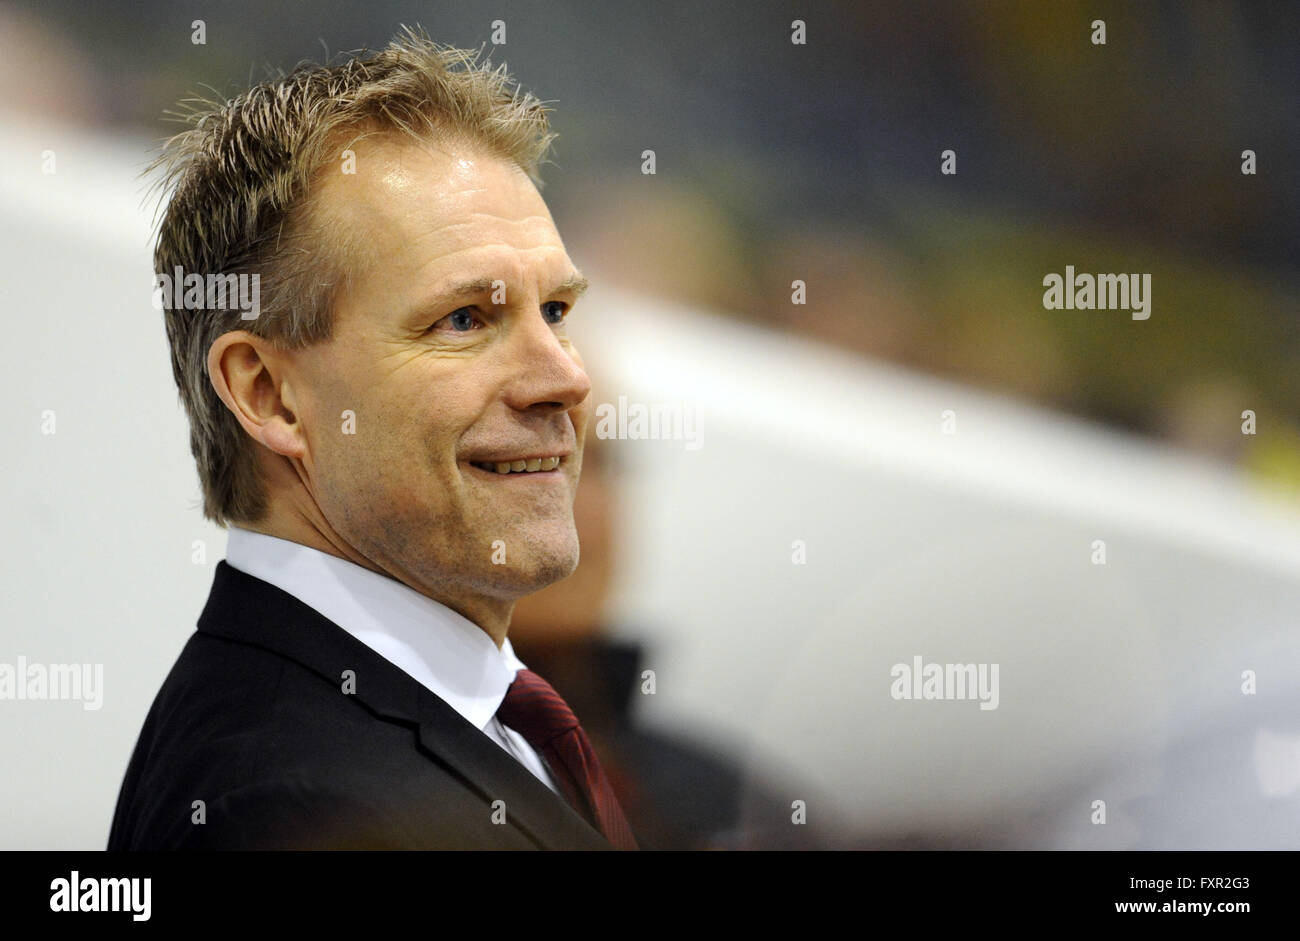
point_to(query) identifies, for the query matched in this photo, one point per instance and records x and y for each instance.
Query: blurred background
(918, 461)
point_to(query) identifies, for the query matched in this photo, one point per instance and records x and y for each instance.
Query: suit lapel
(529, 804)
(250, 611)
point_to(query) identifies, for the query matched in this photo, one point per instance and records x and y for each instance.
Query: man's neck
(492, 619)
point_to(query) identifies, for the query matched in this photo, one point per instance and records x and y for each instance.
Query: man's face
(449, 375)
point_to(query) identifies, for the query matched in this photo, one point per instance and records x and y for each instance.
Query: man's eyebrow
(465, 289)
(575, 284)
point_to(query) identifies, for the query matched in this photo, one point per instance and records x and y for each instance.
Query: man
(395, 440)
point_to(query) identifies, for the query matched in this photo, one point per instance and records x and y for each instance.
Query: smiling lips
(526, 466)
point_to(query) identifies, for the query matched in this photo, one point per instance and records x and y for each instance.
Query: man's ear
(248, 378)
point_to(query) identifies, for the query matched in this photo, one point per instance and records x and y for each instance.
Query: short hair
(242, 179)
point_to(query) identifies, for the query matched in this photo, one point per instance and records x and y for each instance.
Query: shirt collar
(445, 652)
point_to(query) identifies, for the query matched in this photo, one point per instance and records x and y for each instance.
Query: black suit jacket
(253, 721)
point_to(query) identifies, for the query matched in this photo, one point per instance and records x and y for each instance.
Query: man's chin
(546, 572)
(534, 566)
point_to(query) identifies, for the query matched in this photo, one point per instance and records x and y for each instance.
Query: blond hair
(242, 201)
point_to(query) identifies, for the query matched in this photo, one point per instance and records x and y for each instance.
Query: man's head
(411, 338)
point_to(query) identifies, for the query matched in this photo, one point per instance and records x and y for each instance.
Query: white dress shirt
(448, 654)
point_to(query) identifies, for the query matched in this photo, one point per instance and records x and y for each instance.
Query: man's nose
(548, 374)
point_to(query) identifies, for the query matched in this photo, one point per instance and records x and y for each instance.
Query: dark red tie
(535, 710)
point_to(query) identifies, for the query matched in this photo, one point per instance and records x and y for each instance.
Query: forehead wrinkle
(502, 255)
(528, 222)
(462, 259)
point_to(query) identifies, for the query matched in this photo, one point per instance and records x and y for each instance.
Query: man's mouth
(531, 465)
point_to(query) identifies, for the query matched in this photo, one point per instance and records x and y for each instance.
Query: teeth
(521, 467)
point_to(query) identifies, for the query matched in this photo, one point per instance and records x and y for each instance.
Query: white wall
(99, 517)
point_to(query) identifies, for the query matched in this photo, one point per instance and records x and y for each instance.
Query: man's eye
(460, 321)
(554, 311)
